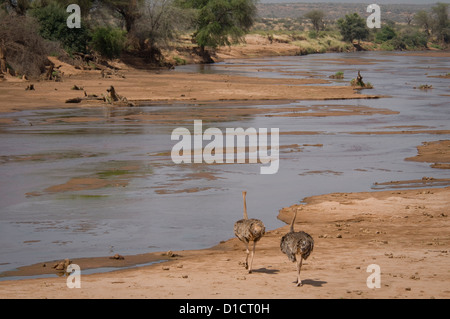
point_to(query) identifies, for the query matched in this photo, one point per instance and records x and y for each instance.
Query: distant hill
(395, 12)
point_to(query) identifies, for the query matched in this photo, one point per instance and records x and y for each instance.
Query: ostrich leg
(253, 255)
(299, 267)
(246, 258)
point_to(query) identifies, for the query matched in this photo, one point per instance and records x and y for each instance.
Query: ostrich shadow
(266, 271)
(314, 283)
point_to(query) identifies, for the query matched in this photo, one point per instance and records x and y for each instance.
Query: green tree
(423, 20)
(441, 25)
(52, 20)
(353, 27)
(221, 22)
(316, 17)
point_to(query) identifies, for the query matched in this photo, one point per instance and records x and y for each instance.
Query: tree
(316, 17)
(52, 20)
(353, 27)
(441, 25)
(221, 22)
(127, 10)
(423, 20)
(160, 20)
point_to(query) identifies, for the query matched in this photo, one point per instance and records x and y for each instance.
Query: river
(150, 204)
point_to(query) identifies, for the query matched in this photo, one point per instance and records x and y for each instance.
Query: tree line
(434, 25)
(143, 27)
(110, 26)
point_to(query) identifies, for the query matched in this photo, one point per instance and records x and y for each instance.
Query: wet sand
(146, 87)
(437, 152)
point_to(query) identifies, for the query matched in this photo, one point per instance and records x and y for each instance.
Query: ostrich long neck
(291, 229)
(245, 205)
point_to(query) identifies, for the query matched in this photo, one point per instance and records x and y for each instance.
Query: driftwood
(74, 100)
(112, 94)
(53, 73)
(112, 98)
(115, 98)
(359, 80)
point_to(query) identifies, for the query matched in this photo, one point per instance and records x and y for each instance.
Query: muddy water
(95, 182)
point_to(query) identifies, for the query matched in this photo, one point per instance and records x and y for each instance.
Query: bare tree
(160, 20)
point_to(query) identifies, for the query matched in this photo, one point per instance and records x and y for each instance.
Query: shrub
(386, 33)
(52, 19)
(410, 40)
(313, 34)
(109, 42)
(25, 50)
(337, 75)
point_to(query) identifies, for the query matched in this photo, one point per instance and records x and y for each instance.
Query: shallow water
(150, 204)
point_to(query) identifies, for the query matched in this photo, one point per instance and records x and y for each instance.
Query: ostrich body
(297, 246)
(249, 230)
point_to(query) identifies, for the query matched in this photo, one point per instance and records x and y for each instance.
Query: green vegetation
(338, 75)
(52, 20)
(179, 61)
(221, 22)
(386, 33)
(353, 27)
(109, 42)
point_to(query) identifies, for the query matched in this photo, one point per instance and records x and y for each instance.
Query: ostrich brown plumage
(297, 246)
(249, 230)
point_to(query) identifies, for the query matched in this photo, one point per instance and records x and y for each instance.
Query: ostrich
(248, 230)
(297, 246)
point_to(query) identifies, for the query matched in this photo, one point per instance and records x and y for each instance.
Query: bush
(52, 19)
(313, 34)
(109, 42)
(25, 50)
(410, 40)
(385, 34)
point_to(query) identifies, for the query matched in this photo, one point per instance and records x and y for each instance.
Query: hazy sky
(359, 1)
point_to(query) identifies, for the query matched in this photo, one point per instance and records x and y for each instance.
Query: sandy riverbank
(144, 87)
(404, 232)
